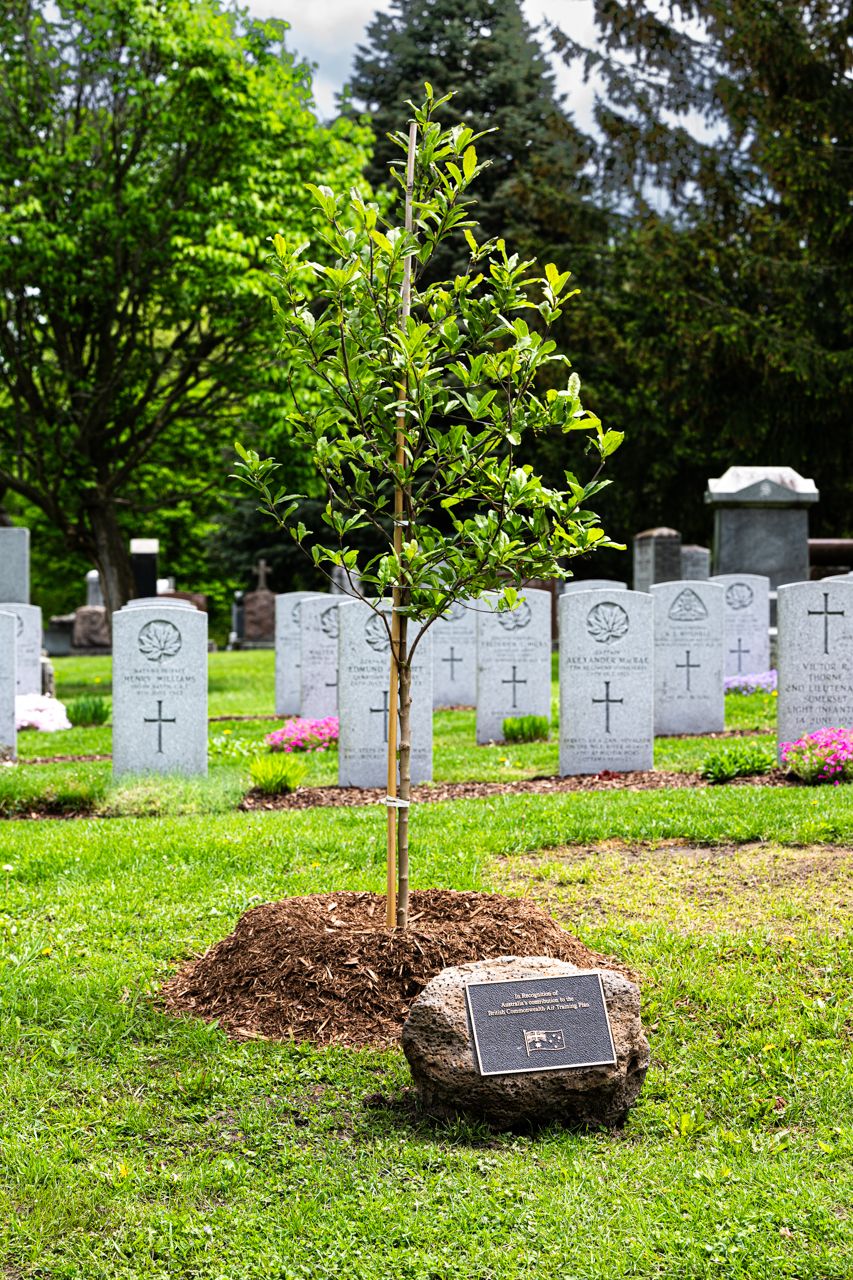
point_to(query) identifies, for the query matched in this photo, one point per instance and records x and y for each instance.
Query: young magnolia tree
(427, 389)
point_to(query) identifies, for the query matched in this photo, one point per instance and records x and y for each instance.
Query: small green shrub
(90, 709)
(526, 729)
(277, 773)
(740, 760)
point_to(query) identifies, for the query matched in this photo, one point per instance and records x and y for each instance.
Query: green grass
(138, 1146)
(239, 683)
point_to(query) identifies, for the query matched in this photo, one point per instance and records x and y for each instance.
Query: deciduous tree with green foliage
(147, 152)
(428, 391)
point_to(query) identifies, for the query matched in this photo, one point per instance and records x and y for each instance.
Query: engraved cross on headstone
(826, 613)
(159, 721)
(608, 703)
(453, 660)
(382, 710)
(261, 570)
(740, 651)
(687, 666)
(514, 681)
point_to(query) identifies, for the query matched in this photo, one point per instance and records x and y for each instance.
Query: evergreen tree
(485, 53)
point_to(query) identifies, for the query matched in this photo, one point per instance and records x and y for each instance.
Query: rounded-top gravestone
(746, 619)
(815, 689)
(287, 647)
(159, 688)
(8, 685)
(28, 632)
(454, 681)
(364, 668)
(513, 662)
(607, 689)
(689, 681)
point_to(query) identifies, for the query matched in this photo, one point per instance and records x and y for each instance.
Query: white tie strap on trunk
(397, 804)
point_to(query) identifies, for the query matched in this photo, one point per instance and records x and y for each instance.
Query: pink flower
(304, 735)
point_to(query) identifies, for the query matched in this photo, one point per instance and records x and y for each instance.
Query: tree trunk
(112, 558)
(405, 679)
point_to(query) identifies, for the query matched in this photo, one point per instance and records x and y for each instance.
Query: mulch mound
(326, 968)
(434, 792)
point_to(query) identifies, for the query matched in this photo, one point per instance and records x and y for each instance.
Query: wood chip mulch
(649, 780)
(60, 759)
(326, 968)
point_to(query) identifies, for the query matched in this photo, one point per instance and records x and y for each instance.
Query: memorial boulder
(524, 1041)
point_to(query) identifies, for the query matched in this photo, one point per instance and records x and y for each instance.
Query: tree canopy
(147, 153)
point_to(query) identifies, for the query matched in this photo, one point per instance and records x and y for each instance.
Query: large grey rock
(91, 629)
(657, 557)
(159, 688)
(287, 646)
(318, 655)
(761, 522)
(364, 667)
(454, 640)
(8, 685)
(746, 622)
(513, 662)
(438, 1046)
(815, 658)
(607, 684)
(29, 638)
(689, 682)
(15, 565)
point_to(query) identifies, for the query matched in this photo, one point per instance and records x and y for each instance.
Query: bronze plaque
(540, 1024)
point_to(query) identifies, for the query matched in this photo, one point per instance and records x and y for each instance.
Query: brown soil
(649, 780)
(60, 759)
(326, 968)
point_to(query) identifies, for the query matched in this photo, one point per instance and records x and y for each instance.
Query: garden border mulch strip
(326, 968)
(217, 719)
(425, 793)
(60, 759)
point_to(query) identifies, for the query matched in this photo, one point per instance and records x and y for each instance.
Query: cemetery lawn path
(137, 1146)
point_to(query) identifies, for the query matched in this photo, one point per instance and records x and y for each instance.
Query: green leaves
(457, 385)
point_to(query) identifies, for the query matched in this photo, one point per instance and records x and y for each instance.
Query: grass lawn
(139, 1146)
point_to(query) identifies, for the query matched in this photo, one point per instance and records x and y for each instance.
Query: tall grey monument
(761, 522)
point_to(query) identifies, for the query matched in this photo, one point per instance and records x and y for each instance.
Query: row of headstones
(632, 665)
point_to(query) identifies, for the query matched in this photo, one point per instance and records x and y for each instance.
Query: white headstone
(159, 687)
(8, 685)
(607, 683)
(287, 650)
(454, 677)
(689, 688)
(815, 688)
(513, 662)
(363, 701)
(747, 622)
(318, 655)
(15, 565)
(593, 584)
(29, 644)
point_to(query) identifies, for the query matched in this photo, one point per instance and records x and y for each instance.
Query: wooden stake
(406, 300)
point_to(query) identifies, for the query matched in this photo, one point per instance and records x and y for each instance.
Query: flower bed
(824, 756)
(34, 711)
(304, 735)
(758, 682)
